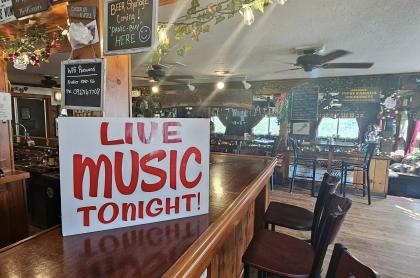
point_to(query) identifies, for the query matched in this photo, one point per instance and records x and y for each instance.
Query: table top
(141, 251)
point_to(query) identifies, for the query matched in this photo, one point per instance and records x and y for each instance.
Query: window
(267, 126)
(340, 128)
(218, 125)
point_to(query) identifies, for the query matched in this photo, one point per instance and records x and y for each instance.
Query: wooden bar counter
(215, 242)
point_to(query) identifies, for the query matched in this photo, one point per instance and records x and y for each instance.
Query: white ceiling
(381, 31)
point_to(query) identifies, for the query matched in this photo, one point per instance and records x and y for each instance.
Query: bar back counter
(214, 242)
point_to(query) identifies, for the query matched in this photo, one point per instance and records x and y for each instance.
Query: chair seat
(280, 254)
(289, 216)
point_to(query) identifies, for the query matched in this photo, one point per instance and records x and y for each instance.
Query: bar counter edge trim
(198, 256)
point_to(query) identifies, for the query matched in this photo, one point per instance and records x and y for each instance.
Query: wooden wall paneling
(261, 204)
(6, 143)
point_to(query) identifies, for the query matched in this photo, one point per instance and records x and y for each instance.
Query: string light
(247, 14)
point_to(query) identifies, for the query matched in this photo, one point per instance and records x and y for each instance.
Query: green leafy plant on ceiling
(197, 21)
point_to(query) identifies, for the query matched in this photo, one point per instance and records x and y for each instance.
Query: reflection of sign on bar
(122, 172)
(360, 95)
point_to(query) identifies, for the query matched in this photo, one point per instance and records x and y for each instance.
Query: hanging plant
(34, 47)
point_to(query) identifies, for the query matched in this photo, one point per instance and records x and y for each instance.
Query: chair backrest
(328, 186)
(370, 150)
(331, 220)
(344, 265)
(295, 147)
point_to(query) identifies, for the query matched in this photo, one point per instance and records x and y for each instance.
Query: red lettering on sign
(122, 188)
(141, 134)
(167, 133)
(104, 136)
(152, 187)
(79, 168)
(184, 166)
(158, 210)
(86, 216)
(101, 213)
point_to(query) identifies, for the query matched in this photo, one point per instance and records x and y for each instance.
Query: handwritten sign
(119, 172)
(361, 95)
(22, 8)
(82, 84)
(5, 107)
(305, 103)
(130, 26)
(83, 12)
(6, 11)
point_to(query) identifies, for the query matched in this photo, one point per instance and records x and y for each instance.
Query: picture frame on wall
(302, 128)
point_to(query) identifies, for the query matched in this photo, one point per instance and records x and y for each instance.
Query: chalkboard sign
(130, 26)
(6, 11)
(23, 8)
(83, 12)
(82, 84)
(361, 95)
(305, 103)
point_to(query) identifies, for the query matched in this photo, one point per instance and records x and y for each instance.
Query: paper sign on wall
(5, 107)
(119, 172)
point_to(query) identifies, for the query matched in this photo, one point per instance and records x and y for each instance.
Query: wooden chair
(282, 255)
(297, 218)
(361, 166)
(344, 265)
(302, 160)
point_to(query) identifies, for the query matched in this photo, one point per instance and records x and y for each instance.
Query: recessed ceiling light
(190, 86)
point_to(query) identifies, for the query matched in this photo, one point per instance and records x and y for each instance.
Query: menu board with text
(130, 26)
(82, 84)
(305, 103)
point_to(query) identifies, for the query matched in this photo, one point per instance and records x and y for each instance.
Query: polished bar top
(13, 176)
(144, 250)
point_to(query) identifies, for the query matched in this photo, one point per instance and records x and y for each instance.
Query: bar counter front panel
(239, 187)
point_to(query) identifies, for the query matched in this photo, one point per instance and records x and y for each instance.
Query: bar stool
(283, 255)
(343, 264)
(359, 166)
(301, 160)
(297, 218)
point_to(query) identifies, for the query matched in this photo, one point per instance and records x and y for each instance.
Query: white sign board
(6, 11)
(5, 107)
(118, 172)
(301, 128)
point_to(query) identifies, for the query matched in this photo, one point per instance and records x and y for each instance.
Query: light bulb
(155, 89)
(248, 15)
(247, 85)
(163, 37)
(220, 85)
(57, 96)
(191, 87)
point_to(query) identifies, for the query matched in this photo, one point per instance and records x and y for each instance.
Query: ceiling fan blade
(287, 70)
(333, 55)
(347, 66)
(179, 77)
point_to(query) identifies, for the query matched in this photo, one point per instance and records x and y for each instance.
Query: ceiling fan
(156, 73)
(311, 61)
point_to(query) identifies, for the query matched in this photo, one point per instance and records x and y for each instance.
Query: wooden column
(6, 143)
(118, 68)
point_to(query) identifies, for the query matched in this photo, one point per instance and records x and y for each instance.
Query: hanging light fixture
(246, 84)
(190, 86)
(155, 89)
(247, 14)
(220, 85)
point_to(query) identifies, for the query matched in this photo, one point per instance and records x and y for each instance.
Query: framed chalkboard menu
(130, 26)
(304, 103)
(23, 8)
(82, 84)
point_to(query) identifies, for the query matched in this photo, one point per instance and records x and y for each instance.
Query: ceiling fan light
(247, 15)
(155, 89)
(246, 84)
(191, 87)
(220, 85)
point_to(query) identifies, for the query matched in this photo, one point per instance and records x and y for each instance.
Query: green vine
(198, 20)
